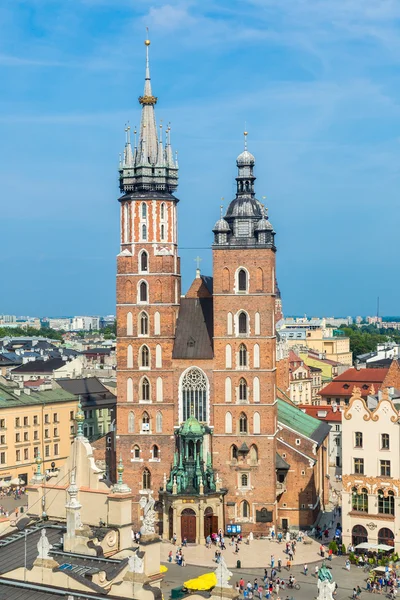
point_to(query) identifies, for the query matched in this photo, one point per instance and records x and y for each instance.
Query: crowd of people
(265, 588)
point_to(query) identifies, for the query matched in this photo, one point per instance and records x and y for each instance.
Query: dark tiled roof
(281, 463)
(40, 366)
(194, 329)
(90, 390)
(208, 281)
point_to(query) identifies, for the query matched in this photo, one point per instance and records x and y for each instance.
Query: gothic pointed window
(194, 390)
(144, 211)
(144, 232)
(162, 232)
(155, 452)
(144, 357)
(143, 291)
(242, 356)
(242, 281)
(146, 479)
(242, 323)
(145, 388)
(144, 324)
(242, 423)
(234, 452)
(162, 211)
(136, 452)
(144, 261)
(243, 395)
(245, 509)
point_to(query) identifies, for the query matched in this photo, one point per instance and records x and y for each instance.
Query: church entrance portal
(210, 522)
(188, 525)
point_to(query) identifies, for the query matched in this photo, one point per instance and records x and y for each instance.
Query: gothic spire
(151, 165)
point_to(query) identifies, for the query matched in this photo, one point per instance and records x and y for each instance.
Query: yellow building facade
(335, 348)
(32, 423)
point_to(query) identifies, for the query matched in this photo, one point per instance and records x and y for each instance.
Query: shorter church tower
(244, 405)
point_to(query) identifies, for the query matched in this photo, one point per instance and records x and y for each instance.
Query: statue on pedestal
(149, 515)
(326, 586)
(43, 546)
(223, 574)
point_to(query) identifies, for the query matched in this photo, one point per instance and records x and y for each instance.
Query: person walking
(272, 561)
(305, 569)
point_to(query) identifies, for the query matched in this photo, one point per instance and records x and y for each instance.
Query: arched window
(144, 357)
(256, 423)
(245, 509)
(144, 232)
(129, 390)
(243, 390)
(359, 535)
(229, 324)
(159, 422)
(145, 389)
(228, 356)
(234, 452)
(144, 211)
(131, 422)
(256, 389)
(242, 280)
(129, 324)
(256, 356)
(253, 454)
(157, 325)
(242, 356)
(162, 232)
(144, 323)
(143, 296)
(385, 536)
(386, 504)
(155, 452)
(360, 500)
(136, 452)
(194, 391)
(144, 261)
(146, 480)
(159, 389)
(146, 422)
(242, 423)
(228, 423)
(242, 323)
(162, 211)
(129, 357)
(228, 390)
(158, 356)
(244, 480)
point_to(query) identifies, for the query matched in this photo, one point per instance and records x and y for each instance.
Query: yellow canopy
(163, 569)
(202, 583)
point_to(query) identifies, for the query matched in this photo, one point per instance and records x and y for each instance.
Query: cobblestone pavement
(308, 591)
(254, 555)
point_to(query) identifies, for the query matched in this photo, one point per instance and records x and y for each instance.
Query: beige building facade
(333, 347)
(371, 472)
(32, 423)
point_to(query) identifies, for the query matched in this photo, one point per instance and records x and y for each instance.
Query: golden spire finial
(245, 133)
(147, 41)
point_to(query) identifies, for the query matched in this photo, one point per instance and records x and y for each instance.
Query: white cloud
(170, 18)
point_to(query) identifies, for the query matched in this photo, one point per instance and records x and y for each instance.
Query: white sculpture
(136, 564)
(43, 546)
(223, 574)
(325, 590)
(149, 515)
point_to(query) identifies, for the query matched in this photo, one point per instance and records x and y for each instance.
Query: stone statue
(136, 564)
(44, 546)
(149, 515)
(223, 574)
(326, 586)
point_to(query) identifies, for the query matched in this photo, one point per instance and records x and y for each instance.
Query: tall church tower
(148, 292)
(244, 405)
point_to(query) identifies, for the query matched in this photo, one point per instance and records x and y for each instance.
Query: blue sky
(316, 81)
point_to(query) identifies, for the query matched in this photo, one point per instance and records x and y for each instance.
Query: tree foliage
(366, 338)
(44, 332)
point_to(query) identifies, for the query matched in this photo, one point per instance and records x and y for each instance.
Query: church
(202, 420)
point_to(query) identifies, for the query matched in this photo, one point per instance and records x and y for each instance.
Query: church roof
(293, 417)
(193, 339)
(192, 425)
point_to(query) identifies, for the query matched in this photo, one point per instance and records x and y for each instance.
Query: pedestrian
(288, 564)
(208, 541)
(241, 584)
(279, 564)
(316, 570)
(183, 562)
(170, 556)
(305, 569)
(354, 596)
(272, 560)
(238, 590)
(174, 538)
(249, 586)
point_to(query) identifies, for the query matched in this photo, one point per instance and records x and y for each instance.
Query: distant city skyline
(315, 84)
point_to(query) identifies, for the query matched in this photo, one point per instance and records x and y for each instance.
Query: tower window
(245, 509)
(144, 357)
(144, 261)
(136, 452)
(143, 291)
(242, 281)
(242, 356)
(144, 211)
(243, 390)
(144, 232)
(242, 323)
(162, 232)
(146, 480)
(242, 423)
(144, 324)
(145, 389)
(234, 452)
(155, 452)
(244, 480)
(194, 395)
(162, 211)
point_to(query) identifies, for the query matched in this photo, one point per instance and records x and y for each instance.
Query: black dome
(245, 206)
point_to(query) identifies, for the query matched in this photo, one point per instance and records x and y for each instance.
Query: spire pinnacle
(245, 133)
(221, 208)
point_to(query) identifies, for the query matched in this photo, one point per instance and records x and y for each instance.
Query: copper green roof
(293, 417)
(9, 399)
(192, 425)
